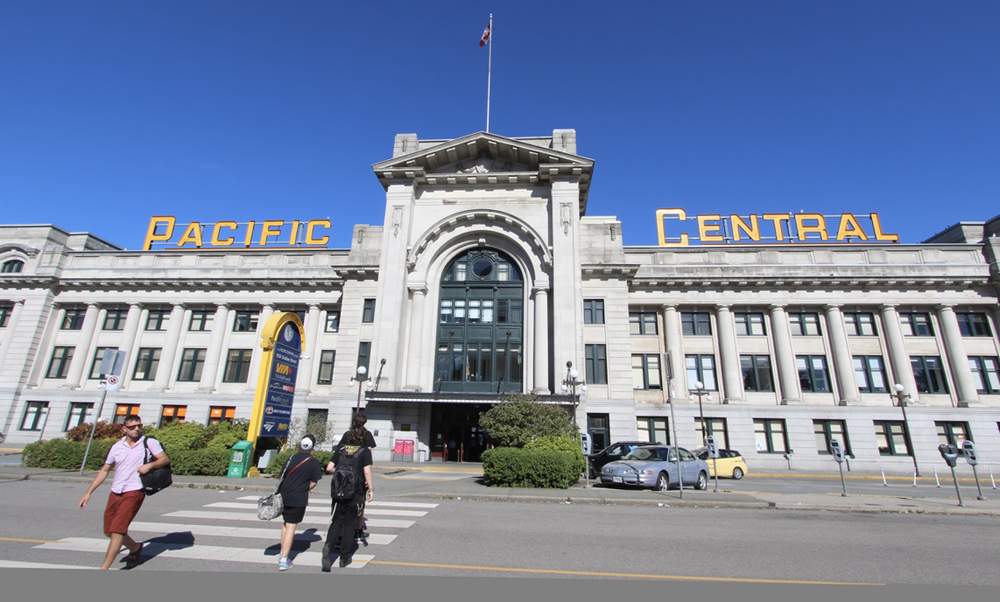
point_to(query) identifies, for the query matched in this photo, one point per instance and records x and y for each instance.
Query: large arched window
(480, 324)
(12, 266)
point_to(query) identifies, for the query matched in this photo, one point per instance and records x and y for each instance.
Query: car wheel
(662, 482)
(737, 473)
(702, 482)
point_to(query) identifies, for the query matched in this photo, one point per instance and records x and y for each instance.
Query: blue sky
(114, 111)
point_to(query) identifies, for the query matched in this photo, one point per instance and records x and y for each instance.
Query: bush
(224, 441)
(278, 461)
(520, 418)
(179, 436)
(207, 462)
(105, 430)
(541, 468)
(563, 443)
(61, 454)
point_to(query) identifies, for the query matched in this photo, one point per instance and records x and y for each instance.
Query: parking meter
(970, 452)
(713, 447)
(949, 453)
(585, 443)
(837, 450)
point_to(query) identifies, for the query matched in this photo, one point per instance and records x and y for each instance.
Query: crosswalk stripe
(241, 516)
(242, 532)
(198, 552)
(313, 509)
(16, 564)
(377, 504)
(428, 477)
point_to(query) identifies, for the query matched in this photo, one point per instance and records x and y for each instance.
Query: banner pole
(489, 74)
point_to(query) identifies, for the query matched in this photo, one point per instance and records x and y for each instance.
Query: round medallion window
(482, 267)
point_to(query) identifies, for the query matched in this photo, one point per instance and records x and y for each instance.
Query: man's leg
(114, 546)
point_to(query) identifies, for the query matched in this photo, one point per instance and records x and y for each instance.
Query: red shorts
(122, 508)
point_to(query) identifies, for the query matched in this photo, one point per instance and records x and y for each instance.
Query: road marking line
(368, 511)
(198, 552)
(241, 532)
(25, 540)
(253, 498)
(371, 522)
(623, 575)
(15, 564)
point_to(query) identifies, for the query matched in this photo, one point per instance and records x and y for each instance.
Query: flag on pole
(486, 36)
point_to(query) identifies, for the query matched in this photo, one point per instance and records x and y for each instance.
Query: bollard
(991, 479)
(936, 479)
(914, 477)
(884, 484)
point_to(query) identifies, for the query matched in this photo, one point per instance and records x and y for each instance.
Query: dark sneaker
(344, 561)
(361, 537)
(327, 561)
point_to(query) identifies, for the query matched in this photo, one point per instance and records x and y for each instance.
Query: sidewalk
(470, 488)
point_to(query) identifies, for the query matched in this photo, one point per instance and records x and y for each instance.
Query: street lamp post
(570, 383)
(902, 398)
(361, 377)
(699, 390)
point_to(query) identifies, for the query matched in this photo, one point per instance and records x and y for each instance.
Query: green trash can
(239, 460)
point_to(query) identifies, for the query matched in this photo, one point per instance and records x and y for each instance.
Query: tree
(518, 419)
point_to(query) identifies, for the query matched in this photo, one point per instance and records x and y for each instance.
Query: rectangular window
(237, 366)
(715, 427)
(114, 319)
(333, 320)
(172, 414)
(749, 323)
(597, 364)
(870, 372)
(59, 366)
(74, 318)
(826, 431)
(201, 320)
(701, 368)
(246, 320)
(326, 359)
(770, 436)
(860, 324)
(364, 354)
(148, 360)
(368, 315)
(217, 414)
(756, 373)
(646, 371)
(77, 414)
(916, 324)
(696, 323)
(985, 370)
(928, 371)
(95, 365)
(953, 433)
(5, 311)
(892, 438)
(804, 324)
(593, 311)
(34, 413)
(642, 322)
(192, 362)
(652, 429)
(813, 374)
(156, 320)
(973, 324)
(124, 409)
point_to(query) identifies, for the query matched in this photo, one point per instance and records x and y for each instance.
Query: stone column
(75, 376)
(8, 332)
(213, 356)
(902, 371)
(179, 316)
(672, 331)
(965, 386)
(266, 311)
(732, 377)
(541, 342)
(843, 365)
(132, 321)
(304, 380)
(788, 374)
(416, 337)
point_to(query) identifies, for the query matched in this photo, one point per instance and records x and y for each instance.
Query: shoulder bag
(155, 480)
(271, 505)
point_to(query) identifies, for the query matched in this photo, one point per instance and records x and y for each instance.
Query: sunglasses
(133, 427)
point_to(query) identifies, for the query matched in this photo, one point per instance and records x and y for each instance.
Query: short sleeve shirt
(361, 456)
(295, 486)
(127, 461)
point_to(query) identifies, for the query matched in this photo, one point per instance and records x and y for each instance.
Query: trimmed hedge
(539, 468)
(279, 459)
(564, 443)
(61, 454)
(206, 462)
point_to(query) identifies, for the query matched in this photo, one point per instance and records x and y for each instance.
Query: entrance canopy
(457, 397)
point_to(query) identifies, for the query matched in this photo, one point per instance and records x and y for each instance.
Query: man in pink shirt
(128, 457)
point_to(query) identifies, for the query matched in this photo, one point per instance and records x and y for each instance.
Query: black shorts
(293, 514)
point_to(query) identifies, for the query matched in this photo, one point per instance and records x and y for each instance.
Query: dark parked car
(615, 451)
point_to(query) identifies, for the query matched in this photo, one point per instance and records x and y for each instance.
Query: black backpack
(344, 485)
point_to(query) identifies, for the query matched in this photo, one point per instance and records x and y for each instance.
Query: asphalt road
(462, 538)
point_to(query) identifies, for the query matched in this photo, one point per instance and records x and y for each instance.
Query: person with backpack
(359, 421)
(350, 487)
(301, 473)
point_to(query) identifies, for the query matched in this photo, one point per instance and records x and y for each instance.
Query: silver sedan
(656, 466)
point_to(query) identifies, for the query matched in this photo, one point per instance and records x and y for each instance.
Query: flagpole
(489, 74)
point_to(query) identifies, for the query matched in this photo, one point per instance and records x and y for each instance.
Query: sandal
(132, 560)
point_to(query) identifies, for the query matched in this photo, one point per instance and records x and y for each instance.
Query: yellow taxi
(730, 462)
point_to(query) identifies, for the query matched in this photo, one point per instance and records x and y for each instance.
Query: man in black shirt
(302, 472)
(360, 536)
(353, 453)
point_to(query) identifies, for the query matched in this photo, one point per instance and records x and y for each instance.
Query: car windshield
(648, 454)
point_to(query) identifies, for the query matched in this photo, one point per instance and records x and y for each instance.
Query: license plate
(616, 479)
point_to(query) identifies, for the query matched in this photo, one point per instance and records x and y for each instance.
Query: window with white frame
(870, 373)
(749, 323)
(701, 368)
(985, 371)
(769, 434)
